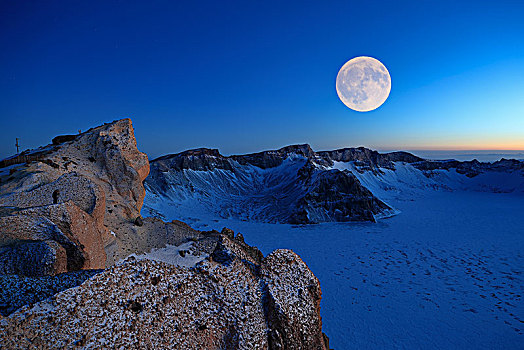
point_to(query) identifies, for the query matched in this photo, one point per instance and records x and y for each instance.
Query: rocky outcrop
(64, 200)
(69, 236)
(200, 159)
(293, 303)
(335, 195)
(471, 168)
(367, 159)
(235, 299)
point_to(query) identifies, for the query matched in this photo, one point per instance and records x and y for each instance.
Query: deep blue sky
(244, 76)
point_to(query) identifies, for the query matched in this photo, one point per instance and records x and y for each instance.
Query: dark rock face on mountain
(335, 196)
(365, 157)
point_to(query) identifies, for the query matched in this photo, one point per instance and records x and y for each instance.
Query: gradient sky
(250, 75)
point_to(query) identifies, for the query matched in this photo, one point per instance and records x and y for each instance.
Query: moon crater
(363, 84)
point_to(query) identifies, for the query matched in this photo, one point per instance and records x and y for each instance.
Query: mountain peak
(192, 152)
(301, 149)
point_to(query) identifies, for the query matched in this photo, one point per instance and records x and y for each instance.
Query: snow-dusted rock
(294, 302)
(17, 291)
(233, 303)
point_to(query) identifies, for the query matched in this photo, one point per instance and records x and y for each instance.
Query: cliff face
(335, 195)
(63, 200)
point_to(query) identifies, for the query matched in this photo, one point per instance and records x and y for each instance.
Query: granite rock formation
(64, 200)
(234, 299)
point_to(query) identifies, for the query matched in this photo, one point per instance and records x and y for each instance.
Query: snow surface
(174, 255)
(446, 273)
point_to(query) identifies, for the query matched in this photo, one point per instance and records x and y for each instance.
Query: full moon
(363, 84)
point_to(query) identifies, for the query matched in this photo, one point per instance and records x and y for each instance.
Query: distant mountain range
(464, 155)
(297, 185)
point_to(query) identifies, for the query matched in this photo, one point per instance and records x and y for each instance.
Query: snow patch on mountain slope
(247, 193)
(181, 255)
(406, 181)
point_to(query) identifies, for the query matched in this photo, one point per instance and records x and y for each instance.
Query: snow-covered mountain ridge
(295, 184)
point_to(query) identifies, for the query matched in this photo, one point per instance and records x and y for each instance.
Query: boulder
(293, 302)
(68, 226)
(63, 138)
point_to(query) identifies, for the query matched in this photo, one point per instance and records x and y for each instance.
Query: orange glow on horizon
(466, 148)
(506, 146)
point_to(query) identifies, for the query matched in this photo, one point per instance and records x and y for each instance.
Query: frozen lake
(446, 273)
